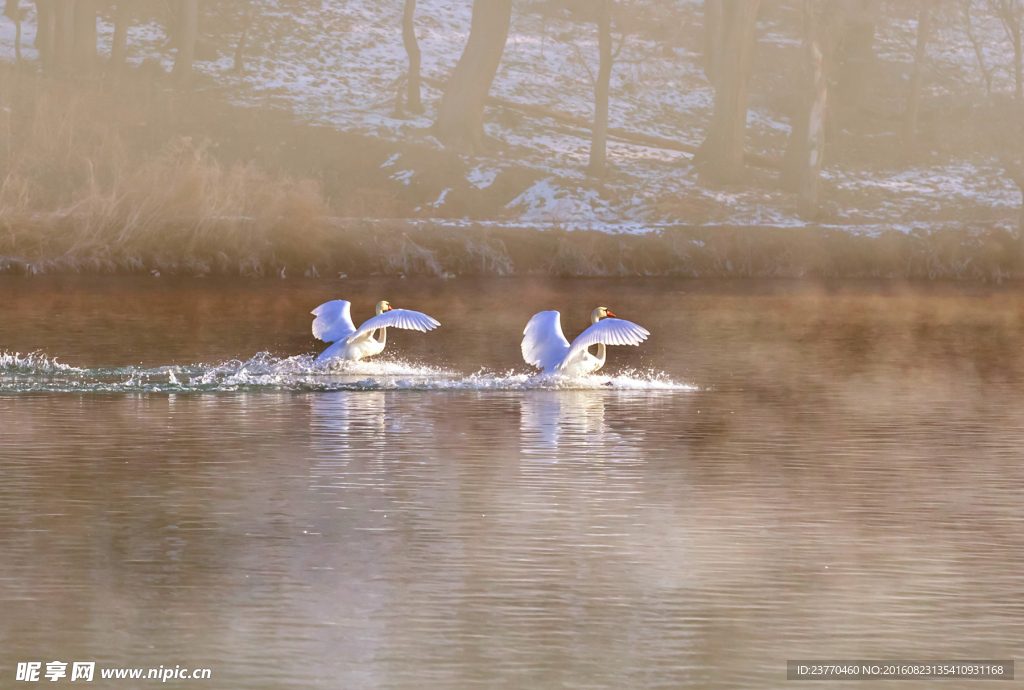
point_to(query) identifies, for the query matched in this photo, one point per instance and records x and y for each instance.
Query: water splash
(37, 373)
(511, 380)
(32, 363)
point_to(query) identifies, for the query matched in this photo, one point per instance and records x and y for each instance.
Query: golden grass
(76, 194)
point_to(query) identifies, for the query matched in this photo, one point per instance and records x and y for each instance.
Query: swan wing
(333, 321)
(609, 332)
(544, 344)
(397, 318)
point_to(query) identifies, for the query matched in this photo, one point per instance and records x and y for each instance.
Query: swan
(333, 324)
(545, 347)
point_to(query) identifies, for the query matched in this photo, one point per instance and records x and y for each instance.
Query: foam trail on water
(37, 373)
(32, 363)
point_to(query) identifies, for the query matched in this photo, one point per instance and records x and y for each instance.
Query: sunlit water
(782, 471)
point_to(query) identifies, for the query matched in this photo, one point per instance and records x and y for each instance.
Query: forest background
(572, 137)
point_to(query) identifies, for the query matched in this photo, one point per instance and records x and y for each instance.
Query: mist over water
(821, 465)
(782, 471)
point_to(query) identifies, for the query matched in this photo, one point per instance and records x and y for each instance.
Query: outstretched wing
(397, 318)
(333, 321)
(544, 345)
(609, 332)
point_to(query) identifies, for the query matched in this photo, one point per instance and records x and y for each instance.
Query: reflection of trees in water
(392, 538)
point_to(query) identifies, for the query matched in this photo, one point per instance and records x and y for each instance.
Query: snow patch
(482, 176)
(404, 176)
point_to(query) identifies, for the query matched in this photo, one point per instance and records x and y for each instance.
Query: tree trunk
(854, 68)
(979, 53)
(720, 158)
(602, 87)
(460, 122)
(1010, 16)
(239, 66)
(84, 49)
(1018, 65)
(187, 30)
(13, 11)
(17, 39)
(45, 32)
(413, 102)
(917, 76)
(810, 185)
(805, 153)
(64, 32)
(712, 38)
(119, 47)
(1013, 168)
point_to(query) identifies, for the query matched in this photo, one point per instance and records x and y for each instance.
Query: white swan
(546, 348)
(333, 324)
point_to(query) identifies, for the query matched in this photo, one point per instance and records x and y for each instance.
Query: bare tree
(979, 54)
(1005, 126)
(720, 157)
(64, 32)
(12, 11)
(1011, 16)
(801, 166)
(602, 87)
(855, 61)
(910, 113)
(459, 121)
(1003, 117)
(413, 101)
(119, 46)
(46, 32)
(187, 22)
(247, 19)
(712, 38)
(84, 48)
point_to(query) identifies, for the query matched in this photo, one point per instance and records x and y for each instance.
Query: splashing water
(32, 363)
(37, 373)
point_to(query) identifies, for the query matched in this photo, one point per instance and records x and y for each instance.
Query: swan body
(545, 347)
(333, 324)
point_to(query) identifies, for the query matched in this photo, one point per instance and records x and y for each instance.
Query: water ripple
(37, 373)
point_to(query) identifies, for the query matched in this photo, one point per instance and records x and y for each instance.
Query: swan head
(383, 306)
(600, 313)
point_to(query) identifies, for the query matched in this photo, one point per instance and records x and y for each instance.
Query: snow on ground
(338, 62)
(961, 182)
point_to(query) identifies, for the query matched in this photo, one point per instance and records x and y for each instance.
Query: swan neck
(595, 316)
(602, 354)
(383, 335)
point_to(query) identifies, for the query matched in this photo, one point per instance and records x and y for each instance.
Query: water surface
(784, 470)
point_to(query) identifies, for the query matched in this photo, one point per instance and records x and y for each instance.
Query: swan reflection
(563, 420)
(372, 424)
(338, 419)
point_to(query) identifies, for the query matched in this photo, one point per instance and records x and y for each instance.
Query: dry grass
(77, 193)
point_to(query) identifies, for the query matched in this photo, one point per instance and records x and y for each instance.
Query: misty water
(782, 471)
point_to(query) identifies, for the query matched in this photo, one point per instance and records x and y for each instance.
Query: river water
(782, 471)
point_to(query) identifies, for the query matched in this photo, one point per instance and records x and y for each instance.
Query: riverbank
(127, 175)
(291, 246)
